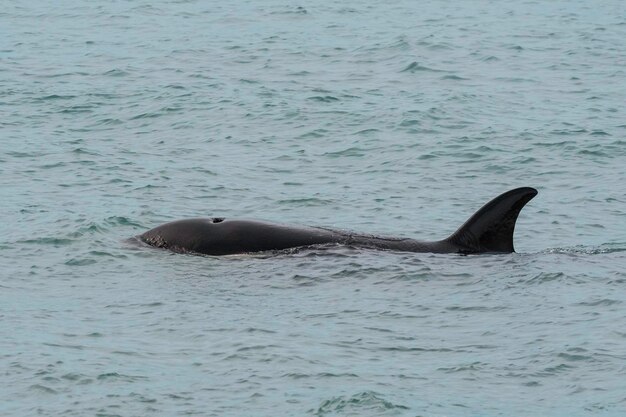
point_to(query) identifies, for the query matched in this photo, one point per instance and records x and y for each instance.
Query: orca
(489, 230)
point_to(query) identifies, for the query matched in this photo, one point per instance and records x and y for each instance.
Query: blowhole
(217, 219)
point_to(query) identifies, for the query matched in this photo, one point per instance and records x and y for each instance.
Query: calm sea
(397, 118)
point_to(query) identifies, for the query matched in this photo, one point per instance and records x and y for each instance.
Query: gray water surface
(397, 118)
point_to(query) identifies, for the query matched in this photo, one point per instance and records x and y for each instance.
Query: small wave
(306, 202)
(349, 152)
(65, 74)
(603, 302)
(258, 330)
(367, 401)
(302, 73)
(149, 186)
(588, 152)
(365, 132)
(121, 221)
(74, 377)
(475, 308)
(55, 97)
(436, 46)
(83, 151)
(398, 44)
(474, 366)
(147, 115)
(414, 349)
(553, 370)
(296, 11)
(255, 347)
(114, 376)
(42, 389)
(453, 78)
(324, 99)
(88, 229)
(107, 254)
(544, 277)
(410, 122)
(142, 398)
(67, 346)
(317, 133)
(298, 375)
(109, 96)
(52, 165)
(126, 353)
(18, 154)
(115, 73)
(572, 357)
(54, 241)
(599, 133)
(80, 262)
(592, 250)
(415, 67)
(515, 80)
(108, 122)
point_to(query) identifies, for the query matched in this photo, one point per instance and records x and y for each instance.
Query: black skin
(489, 230)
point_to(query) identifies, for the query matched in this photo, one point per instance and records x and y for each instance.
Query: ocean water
(397, 118)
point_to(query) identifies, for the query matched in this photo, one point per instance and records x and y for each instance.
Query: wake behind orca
(489, 230)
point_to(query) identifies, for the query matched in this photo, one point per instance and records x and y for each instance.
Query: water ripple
(357, 404)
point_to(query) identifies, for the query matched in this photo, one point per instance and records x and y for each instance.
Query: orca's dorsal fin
(491, 228)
